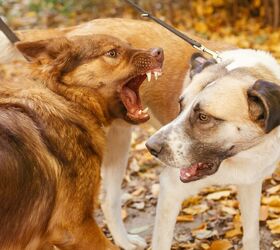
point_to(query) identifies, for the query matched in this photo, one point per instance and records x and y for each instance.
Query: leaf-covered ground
(210, 220)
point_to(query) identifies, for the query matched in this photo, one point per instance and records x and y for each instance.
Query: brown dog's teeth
(145, 110)
(156, 75)
(149, 76)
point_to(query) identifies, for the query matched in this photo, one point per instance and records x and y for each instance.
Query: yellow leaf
(218, 195)
(193, 200)
(276, 243)
(229, 210)
(273, 201)
(204, 246)
(198, 209)
(274, 225)
(220, 245)
(264, 213)
(234, 232)
(124, 214)
(185, 218)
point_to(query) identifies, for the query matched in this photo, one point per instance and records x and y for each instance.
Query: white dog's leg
(172, 194)
(249, 197)
(112, 171)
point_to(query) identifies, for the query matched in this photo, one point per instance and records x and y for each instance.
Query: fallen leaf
(138, 191)
(204, 234)
(124, 213)
(193, 200)
(229, 210)
(205, 246)
(264, 213)
(218, 195)
(139, 205)
(273, 201)
(273, 190)
(276, 243)
(155, 189)
(234, 232)
(134, 166)
(220, 245)
(185, 218)
(194, 210)
(274, 226)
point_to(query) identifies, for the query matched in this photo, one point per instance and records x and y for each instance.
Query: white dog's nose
(154, 145)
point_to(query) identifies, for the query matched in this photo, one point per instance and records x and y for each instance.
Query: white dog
(227, 133)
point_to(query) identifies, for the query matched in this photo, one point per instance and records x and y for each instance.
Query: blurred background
(246, 23)
(211, 219)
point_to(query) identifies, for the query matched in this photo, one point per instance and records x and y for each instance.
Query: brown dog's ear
(264, 104)
(199, 63)
(44, 49)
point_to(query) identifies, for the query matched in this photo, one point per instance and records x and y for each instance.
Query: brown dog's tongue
(129, 99)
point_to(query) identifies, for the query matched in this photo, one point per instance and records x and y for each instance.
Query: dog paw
(138, 241)
(134, 242)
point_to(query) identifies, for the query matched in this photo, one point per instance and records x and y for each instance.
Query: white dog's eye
(203, 117)
(112, 53)
(180, 101)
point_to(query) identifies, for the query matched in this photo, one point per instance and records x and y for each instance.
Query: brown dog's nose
(158, 54)
(154, 146)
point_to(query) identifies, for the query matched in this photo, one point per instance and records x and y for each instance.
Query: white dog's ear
(264, 104)
(198, 63)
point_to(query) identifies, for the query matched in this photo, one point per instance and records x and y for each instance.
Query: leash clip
(214, 54)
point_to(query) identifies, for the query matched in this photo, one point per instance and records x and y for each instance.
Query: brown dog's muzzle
(147, 63)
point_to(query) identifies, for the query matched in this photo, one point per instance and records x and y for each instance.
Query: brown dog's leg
(85, 236)
(89, 236)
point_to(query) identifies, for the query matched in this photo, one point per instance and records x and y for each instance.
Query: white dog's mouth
(197, 171)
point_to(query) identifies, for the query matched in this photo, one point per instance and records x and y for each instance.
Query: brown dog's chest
(77, 144)
(73, 142)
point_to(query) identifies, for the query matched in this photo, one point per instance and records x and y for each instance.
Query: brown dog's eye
(203, 117)
(112, 53)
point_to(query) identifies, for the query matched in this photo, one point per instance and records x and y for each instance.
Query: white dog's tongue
(187, 172)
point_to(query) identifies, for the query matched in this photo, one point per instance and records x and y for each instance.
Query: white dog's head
(226, 108)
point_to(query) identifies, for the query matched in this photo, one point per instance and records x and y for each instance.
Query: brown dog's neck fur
(78, 95)
(83, 97)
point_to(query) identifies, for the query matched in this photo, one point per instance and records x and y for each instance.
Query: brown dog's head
(224, 111)
(97, 70)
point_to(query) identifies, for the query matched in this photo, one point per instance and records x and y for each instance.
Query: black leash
(193, 43)
(8, 32)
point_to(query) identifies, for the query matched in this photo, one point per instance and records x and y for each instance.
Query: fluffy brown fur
(52, 139)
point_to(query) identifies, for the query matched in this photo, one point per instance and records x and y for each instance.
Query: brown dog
(52, 137)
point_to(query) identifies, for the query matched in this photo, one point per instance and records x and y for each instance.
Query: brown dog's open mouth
(131, 98)
(197, 171)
